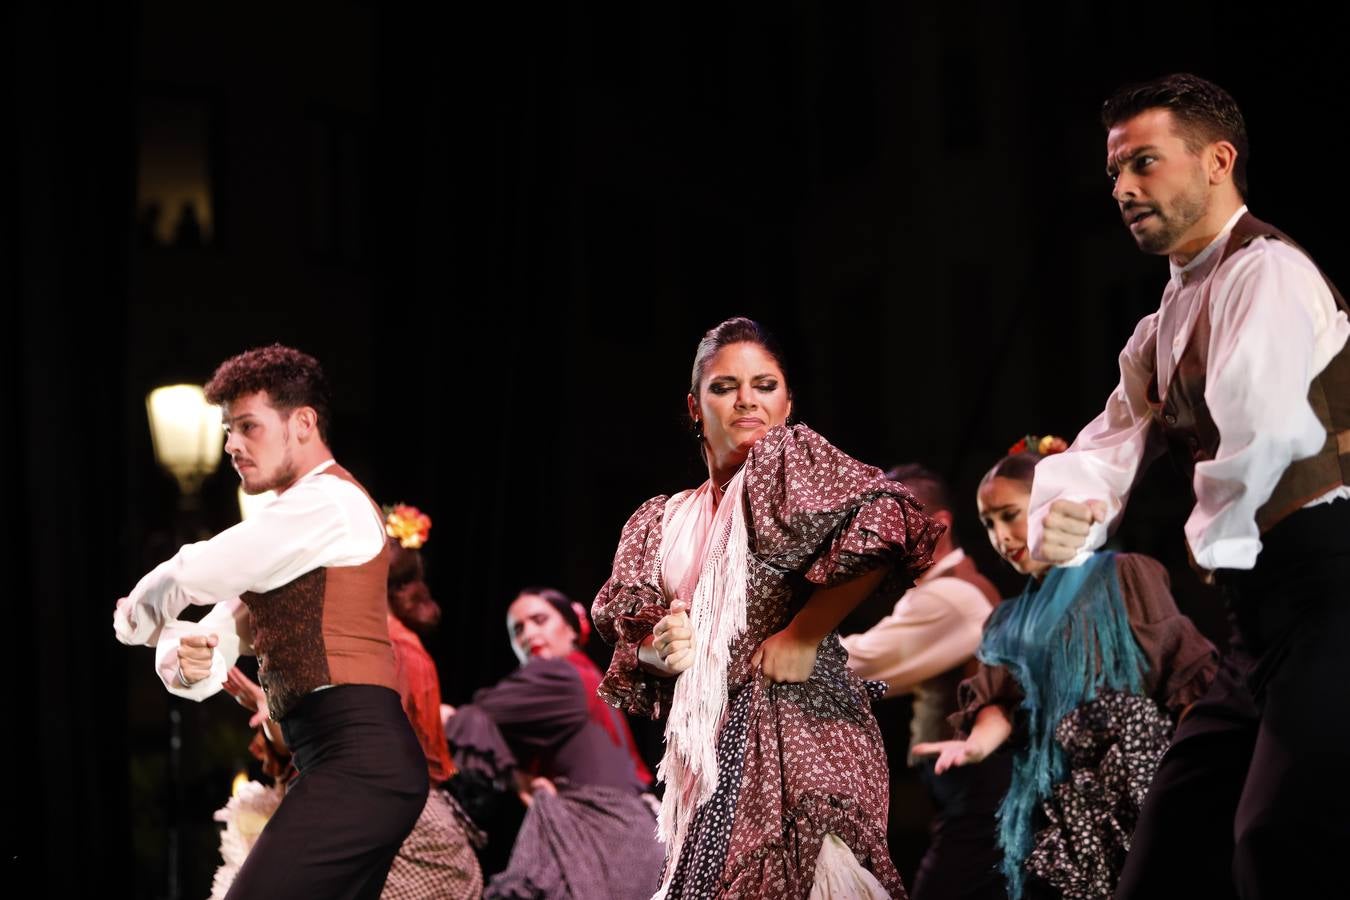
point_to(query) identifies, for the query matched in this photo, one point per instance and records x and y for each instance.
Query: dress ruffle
(1114, 745)
(816, 510)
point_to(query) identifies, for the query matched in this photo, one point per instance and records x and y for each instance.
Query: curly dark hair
(291, 379)
(1203, 111)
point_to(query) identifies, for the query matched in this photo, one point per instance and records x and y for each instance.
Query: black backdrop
(503, 228)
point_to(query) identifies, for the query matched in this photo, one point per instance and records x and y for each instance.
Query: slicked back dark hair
(291, 379)
(1016, 466)
(739, 330)
(1203, 112)
(927, 485)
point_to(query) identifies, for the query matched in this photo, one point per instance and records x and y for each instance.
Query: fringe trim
(717, 614)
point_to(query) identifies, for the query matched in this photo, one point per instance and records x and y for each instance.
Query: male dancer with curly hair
(301, 584)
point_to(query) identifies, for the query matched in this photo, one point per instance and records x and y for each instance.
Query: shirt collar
(317, 469)
(1199, 265)
(950, 561)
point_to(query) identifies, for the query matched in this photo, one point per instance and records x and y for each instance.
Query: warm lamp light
(186, 433)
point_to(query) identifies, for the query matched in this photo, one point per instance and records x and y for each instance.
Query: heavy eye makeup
(765, 385)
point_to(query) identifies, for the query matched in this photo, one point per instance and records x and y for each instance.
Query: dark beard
(1185, 212)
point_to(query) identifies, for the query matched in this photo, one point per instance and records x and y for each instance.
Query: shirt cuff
(140, 631)
(1228, 553)
(166, 665)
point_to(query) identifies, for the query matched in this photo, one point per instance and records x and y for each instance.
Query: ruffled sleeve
(1181, 662)
(626, 610)
(989, 686)
(816, 510)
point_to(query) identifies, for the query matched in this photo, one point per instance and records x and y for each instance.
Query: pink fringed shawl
(703, 562)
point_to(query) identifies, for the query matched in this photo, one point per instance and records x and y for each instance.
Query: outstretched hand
(951, 753)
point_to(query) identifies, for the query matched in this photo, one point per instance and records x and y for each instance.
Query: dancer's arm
(790, 655)
(992, 728)
(321, 521)
(1273, 329)
(929, 632)
(1100, 466)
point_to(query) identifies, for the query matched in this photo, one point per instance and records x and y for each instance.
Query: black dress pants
(1252, 799)
(963, 857)
(362, 785)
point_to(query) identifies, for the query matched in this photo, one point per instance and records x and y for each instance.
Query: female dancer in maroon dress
(774, 769)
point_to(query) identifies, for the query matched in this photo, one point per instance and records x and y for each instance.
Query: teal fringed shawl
(1063, 641)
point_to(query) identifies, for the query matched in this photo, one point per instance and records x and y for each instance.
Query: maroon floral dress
(795, 761)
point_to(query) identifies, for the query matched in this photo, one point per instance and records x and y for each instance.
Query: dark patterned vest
(935, 699)
(326, 627)
(1192, 436)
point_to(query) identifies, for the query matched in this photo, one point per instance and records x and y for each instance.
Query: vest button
(1170, 418)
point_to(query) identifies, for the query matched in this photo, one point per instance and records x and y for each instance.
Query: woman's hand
(786, 657)
(670, 650)
(992, 728)
(951, 753)
(527, 785)
(250, 696)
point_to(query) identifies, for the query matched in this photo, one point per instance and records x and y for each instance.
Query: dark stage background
(503, 229)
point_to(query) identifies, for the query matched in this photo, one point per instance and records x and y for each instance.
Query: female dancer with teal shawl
(1084, 676)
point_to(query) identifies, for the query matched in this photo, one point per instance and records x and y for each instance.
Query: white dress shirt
(321, 520)
(935, 627)
(1273, 327)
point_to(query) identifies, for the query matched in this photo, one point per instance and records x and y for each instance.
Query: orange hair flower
(407, 524)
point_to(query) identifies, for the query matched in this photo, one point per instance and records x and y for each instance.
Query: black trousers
(963, 856)
(1252, 799)
(362, 785)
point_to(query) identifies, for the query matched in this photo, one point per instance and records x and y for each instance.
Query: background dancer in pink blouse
(925, 646)
(302, 585)
(774, 769)
(1243, 373)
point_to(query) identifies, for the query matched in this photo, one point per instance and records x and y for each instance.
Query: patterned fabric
(584, 843)
(288, 637)
(436, 861)
(1179, 664)
(1114, 745)
(801, 760)
(1065, 638)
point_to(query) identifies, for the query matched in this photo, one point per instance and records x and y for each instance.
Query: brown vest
(326, 627)
(1192, 436)
(935, 699)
